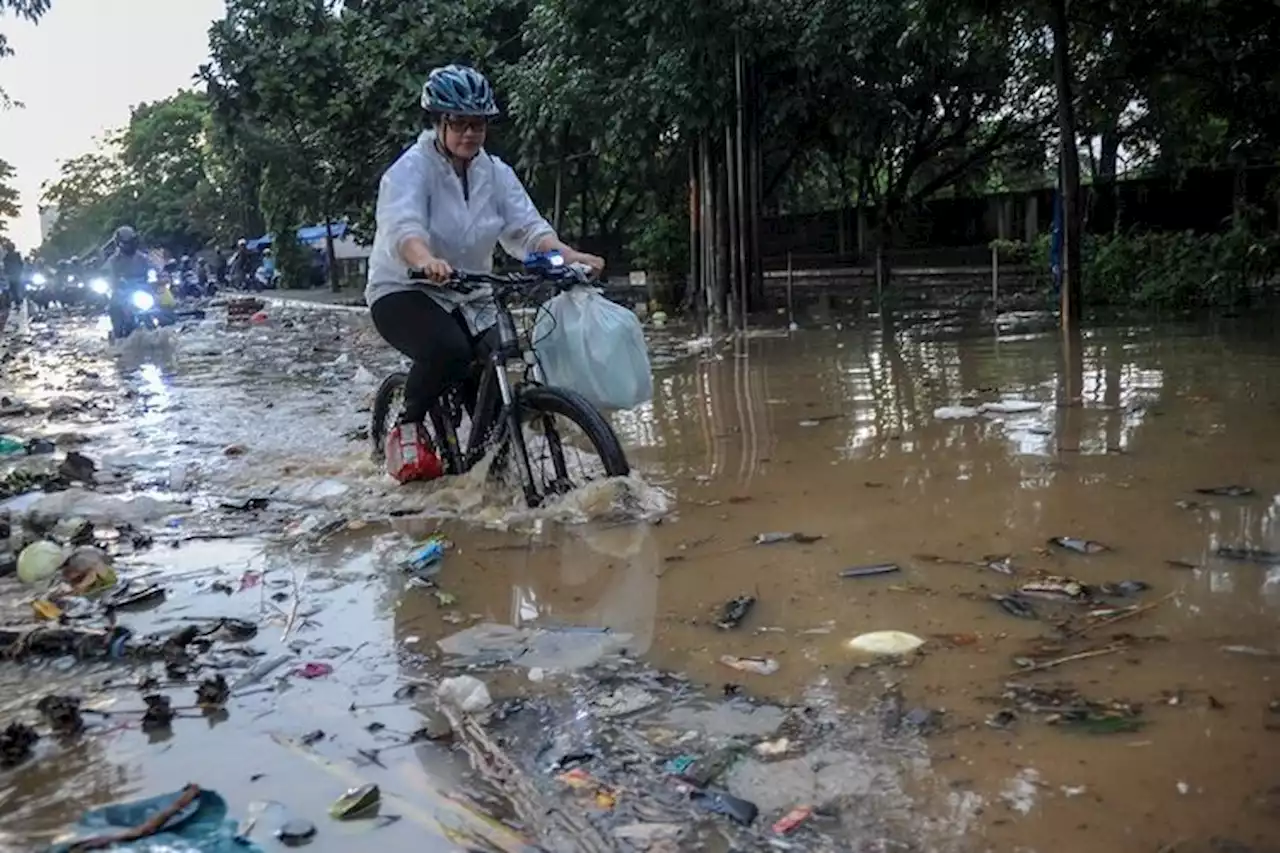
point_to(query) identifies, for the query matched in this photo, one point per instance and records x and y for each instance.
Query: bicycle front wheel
(569, 443)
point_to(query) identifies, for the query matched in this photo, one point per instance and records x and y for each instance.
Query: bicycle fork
(512, 407)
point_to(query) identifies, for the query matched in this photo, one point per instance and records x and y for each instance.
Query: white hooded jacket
(421, 195)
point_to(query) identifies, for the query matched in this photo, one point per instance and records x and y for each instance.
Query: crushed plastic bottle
(427, 560)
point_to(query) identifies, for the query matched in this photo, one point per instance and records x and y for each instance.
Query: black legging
(436, 340)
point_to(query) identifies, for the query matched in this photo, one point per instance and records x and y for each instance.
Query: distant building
(48, 218)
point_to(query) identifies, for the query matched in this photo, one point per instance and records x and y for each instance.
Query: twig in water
(1111, 620)
(150, 827)
(1092, 653)
(293, 608)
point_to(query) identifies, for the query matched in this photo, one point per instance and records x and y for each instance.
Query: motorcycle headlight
(38, 280)
(142, 300)
(100, 286)
(152, 277)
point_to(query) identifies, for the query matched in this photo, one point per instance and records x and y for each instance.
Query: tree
(282, 94)
(9, 208)
(162, 153)
(152, 175)
(29, 10)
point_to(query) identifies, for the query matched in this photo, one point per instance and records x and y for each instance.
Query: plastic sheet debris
(464, 692)
(102, 510)
(773, 748)
(1010, 407)
(189, 821)
(566, 647)
(1079, 546)
(955, 413)
(777, 538)
(756, 666)
(886, 643)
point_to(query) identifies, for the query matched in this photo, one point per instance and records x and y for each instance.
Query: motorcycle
(38, 291)
(267, 279)
(135, 306)
(98, 295)
(70, 291)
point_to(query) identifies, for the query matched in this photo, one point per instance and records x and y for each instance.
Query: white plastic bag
(593, 346)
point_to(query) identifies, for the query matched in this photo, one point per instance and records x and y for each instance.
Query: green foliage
(151, 175)
(9, 207)
(30, 10)
(1178, 269)
(1163, 269)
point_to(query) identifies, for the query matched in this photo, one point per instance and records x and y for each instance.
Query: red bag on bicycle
(410, 455)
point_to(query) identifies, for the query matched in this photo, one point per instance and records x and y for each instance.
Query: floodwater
(828, 431)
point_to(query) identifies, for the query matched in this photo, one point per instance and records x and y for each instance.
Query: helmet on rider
(459, 102)
(126, 240)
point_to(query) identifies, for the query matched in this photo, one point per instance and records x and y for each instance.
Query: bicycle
(502, 409)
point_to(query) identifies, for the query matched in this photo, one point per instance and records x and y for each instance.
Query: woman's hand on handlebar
(435, 270)
(594, 262)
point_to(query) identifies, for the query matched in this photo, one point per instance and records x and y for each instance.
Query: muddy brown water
(827, 431)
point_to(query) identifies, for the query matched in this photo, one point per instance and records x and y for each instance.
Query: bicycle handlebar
(466, 282)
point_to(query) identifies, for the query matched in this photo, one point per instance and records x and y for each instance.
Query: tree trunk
(334, 284)
(706, 246)
(721, 226)
(740, 179)
(689, 299)
(757, 191)
(1072, 291)
(733, 281)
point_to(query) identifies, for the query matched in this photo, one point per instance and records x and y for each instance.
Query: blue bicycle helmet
(458, 90)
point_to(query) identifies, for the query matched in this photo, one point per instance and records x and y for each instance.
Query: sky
(79, 71)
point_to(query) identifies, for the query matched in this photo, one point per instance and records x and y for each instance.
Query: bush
(1162, 268)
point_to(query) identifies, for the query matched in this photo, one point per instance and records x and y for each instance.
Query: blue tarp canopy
(311, 235)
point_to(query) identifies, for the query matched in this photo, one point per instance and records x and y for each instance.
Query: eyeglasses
(461, 124)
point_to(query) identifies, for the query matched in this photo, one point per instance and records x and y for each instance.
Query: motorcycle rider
(13, 269)
(127, 268)
(241, 265)
(443, 205)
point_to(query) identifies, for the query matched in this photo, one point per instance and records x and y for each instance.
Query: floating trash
(886, 643)
(1079, 546)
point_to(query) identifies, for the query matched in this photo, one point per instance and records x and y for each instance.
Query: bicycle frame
(497, 405)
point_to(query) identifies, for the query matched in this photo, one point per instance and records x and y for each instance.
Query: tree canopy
(627, 119)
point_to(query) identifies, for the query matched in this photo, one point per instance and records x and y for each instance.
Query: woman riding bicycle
(444, 205)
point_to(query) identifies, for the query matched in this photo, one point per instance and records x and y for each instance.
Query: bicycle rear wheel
(569, 443)
(442, 422)
(388, 403)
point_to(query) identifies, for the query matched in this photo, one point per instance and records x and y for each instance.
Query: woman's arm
(402, 210)
(525, 230)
